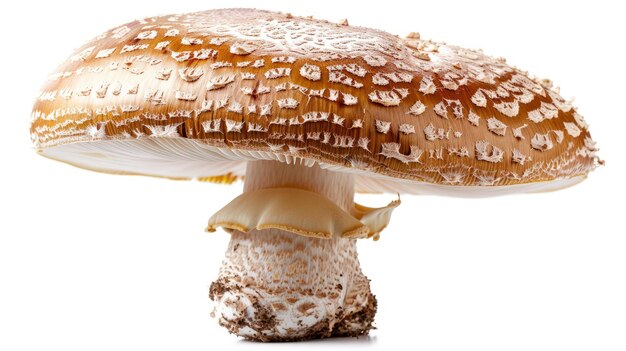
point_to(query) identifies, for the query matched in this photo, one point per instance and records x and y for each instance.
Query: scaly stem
(279, 286)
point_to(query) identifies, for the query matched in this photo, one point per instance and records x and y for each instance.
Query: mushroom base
(279, 286)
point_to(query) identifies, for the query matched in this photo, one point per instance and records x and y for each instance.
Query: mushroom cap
(198, 95)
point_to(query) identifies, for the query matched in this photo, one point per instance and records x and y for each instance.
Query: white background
(98, 262)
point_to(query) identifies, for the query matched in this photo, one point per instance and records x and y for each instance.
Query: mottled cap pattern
(197, 95)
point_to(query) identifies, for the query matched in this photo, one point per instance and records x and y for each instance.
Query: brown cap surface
(196, 95)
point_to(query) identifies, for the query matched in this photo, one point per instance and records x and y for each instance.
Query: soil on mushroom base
(265, 321)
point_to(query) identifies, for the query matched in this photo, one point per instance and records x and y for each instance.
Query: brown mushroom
(230, 94)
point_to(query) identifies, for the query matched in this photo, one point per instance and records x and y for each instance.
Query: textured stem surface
(279, 286)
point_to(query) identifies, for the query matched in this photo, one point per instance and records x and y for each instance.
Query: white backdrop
(92, 261)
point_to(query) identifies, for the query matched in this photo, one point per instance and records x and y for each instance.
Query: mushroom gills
(299, 211)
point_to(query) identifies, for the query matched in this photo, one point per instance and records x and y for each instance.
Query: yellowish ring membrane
(300, 212)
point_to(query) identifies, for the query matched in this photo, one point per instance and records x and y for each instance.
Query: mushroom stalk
(278, 286)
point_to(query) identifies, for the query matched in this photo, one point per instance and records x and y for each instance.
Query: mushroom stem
(278, 286)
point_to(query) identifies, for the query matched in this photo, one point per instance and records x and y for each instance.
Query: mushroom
(306, 123)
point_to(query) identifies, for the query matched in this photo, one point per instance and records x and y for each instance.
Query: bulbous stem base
(278, 286)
